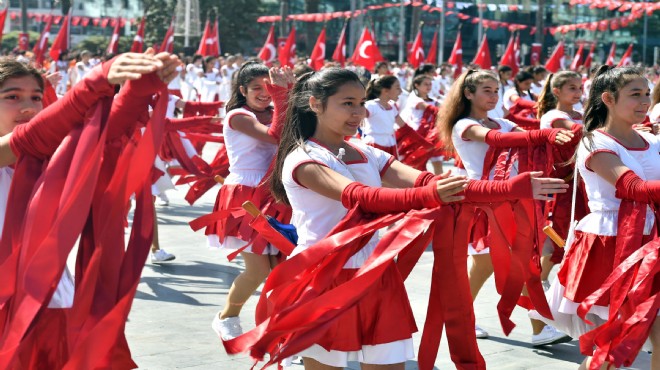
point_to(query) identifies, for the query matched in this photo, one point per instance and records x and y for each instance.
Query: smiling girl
(465, 123)
(382, 114)
(621, 168)
(250, 141)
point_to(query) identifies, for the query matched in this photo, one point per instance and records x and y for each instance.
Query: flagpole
(646, 25)
(441, 40)
(402, 31)
(480, 29)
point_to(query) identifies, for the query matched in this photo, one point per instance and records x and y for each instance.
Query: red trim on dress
(387, 166)
(293, 172)
(646, 146)
(586, 161)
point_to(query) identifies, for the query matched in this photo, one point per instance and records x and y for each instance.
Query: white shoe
(481, 333)
(161, 256)
(162, 200)
(549, 335)
(228, 328)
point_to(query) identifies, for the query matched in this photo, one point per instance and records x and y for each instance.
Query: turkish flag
(3, 18)
(577, 59)
(138, 40)
(456, 57)
(433, 50)
(215, 31)
(61, 42)
(535, 54)
(626, 59)
(340, 51)
(268, 52)
(206, 44)
(287, 56)
(516, 51)
(416, 52)
(554, 63)
(366, 52)
(482, 59)
(590, 56)
(113, 46)
(168, 42)
(318, 53)
(41, 45)
(509, 56)
(610, 58)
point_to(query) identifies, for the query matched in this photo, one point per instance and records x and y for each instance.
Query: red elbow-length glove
(43, 134)
(498, 139)
(280, 96)
(194, 108)
(632, 187)
(488, 191)
(384, 200)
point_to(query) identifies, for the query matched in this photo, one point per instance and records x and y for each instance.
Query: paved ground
(169, 325)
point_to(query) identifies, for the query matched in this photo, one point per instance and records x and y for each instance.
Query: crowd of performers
(342, 165)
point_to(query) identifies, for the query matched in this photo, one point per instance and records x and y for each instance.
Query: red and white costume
(365, 332)
(473, 154)
(249, 160)
(591, 257)
(378, 129)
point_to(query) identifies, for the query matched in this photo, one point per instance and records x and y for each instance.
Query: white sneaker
(481, 333)
(162, 200)
(161, 256)
(228, 328)
(549, 335)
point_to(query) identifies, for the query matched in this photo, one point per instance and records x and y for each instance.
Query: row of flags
(367, 53)
(209, 44)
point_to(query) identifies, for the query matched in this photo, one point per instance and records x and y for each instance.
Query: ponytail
(376, 86)
(547, 100)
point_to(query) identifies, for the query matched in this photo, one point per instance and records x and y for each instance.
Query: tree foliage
(10, 40)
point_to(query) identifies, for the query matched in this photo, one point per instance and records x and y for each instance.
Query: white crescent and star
(363, 49)
(271, 52)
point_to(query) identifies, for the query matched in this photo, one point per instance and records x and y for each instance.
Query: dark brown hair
(547, 100)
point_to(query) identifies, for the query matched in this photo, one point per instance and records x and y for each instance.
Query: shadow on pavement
(566, 351)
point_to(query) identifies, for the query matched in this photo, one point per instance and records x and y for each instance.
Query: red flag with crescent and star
(416, 52)
(577, 58)
(433, 50)
(268, 52)
(456, 57)
(590, 56)
(554, 63)
(610, 58)
(366, 52)
(509, 56)
(626, 59)
(41, 46)
(168, 40)
(318, 53)
(482, 59)
(287, 55)
(138, 40)
(61, 42)
(340, 51)
(113, 46)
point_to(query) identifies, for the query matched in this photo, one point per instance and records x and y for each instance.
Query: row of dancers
(363, 217)
(324, 178)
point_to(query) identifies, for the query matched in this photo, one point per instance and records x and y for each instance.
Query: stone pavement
(169, 324)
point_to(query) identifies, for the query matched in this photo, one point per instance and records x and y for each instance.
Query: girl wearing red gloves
(604, 279)
(322, 176)
(251, 143)
(464, 121)
(561, 92)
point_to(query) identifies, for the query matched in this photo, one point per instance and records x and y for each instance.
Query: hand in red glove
(281, 80)
(528, 185)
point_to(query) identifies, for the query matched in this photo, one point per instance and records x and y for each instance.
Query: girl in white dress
(382, 114)
(620, 167)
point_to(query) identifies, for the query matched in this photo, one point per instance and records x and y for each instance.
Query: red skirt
(382, 316)
(387, 149)
(231, 198)
(587, 264)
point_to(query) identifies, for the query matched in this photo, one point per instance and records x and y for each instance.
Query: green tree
(237, 22)
(10, 40)
(98, 44)
(159, 16)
